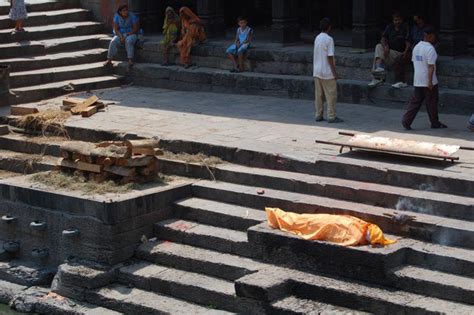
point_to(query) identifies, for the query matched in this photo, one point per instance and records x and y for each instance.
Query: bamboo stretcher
(398, 146)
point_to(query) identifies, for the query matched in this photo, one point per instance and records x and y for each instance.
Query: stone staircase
(216, 254)
(287, 72)
(61, 52)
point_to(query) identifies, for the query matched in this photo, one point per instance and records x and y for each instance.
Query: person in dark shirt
(393, 50)
(417, 31)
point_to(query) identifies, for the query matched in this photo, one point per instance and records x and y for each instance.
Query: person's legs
(113, 48)
(414, 106)
(399, 64)
(330, 91)
(241, 54)
(319, 99)
(432, 98)
(130, 42)
(379, 57)
(231, 52)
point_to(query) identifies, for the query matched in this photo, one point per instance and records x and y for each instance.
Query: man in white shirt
(425, 82)
(325, 75)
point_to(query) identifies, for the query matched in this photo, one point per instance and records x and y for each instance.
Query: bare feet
(108, 63)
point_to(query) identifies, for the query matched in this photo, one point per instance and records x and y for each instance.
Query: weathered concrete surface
(274, 126)
(110, 226)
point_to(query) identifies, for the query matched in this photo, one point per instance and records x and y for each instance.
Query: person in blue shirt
(126, 27)
(417, 31)
(240, 46)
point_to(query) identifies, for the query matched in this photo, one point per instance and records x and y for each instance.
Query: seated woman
(125, 29)
(192, 34)
(171, 33)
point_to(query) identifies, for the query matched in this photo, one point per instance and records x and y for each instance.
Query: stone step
(48, 75)
(24, 163)
(293, 305)
(185, 285)
(135, 301)
(196, 259)
(3, 175)
(39, 6)
(426, 227)
(55, 89)
(207, 236)
(53, 46)
(40, 145)
(363, 263)
(435, 283)
(48, 17)
(347, 294)
(52, 31)
(456, 74)
(218, 214)
(399, 198)
(284, 86)
(56, 60)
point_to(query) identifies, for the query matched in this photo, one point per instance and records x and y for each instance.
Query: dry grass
(199, 158)
(207, 161)
(77, 182)
(51, 120)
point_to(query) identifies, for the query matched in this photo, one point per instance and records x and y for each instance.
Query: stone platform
(214, 253)
(286, 71)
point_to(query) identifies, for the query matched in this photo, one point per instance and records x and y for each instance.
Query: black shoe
(335, 120)
(318, 119)
(439, 126)
(406, 127)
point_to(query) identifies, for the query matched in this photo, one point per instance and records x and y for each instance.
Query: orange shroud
(345, 230)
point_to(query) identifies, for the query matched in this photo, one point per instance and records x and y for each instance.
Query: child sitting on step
(18, 14)
(237, 52)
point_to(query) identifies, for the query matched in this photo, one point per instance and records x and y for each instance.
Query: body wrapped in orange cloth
(345, 230)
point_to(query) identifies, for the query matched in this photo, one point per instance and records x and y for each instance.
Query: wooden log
(66, 155)
(22, 111)
(82, 166)
(135, 161)
(4, 130)
(91, 110)
(82, 157)
(152, 168)
(90, 149)
(121, 171)
(82, 106)
(146, 146)
(72, 101)
(105, 144)
(159, 152)
(106, 161)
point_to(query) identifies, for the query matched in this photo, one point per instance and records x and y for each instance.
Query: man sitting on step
(393, 50)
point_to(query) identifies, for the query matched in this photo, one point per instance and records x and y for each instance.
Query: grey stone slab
(8, 290)
(132, 300)
(218, 213)
(206, 236)
(295, 305)
(435, 283)
(200, 260)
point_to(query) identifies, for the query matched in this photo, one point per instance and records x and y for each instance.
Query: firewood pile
(84, 107)
(132, 161)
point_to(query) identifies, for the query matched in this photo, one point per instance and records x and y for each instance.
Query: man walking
(324, 72)
(425, 82)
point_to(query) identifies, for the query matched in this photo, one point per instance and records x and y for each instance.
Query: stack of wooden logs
(84, 107)
(132, 161)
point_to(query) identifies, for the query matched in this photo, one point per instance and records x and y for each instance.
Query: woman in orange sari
(192, 34)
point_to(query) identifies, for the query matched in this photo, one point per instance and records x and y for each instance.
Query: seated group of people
(395, 48)
(183, 31)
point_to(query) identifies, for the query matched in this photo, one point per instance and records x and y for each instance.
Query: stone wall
(103, 10)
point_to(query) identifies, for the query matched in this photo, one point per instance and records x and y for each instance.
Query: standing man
(425, 82)
(324, 72)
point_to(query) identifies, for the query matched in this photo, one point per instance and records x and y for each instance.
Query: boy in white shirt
(425, 82)
(324, 72)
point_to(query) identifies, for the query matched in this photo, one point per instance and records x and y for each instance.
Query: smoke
(406, 204)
